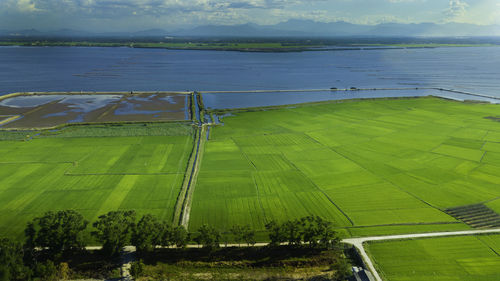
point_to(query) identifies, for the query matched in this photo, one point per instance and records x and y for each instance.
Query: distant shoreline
(266, 47)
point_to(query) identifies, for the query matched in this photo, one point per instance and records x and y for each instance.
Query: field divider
(322, 191)
(392, 183)
(198, 149)
(183, 204)
(10, 118)
(323, 90)
(119, 174)
(111, 108)
(186, 208)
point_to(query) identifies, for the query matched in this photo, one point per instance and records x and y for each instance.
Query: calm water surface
(475, 69)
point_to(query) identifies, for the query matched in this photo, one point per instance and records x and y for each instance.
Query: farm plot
(52, 110)
(449, 258)
(92, 175)
(370, 163)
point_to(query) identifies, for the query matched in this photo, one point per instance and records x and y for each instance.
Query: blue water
(475, 69)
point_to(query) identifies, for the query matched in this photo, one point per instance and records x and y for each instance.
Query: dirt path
(186, 208)
(358, 242)
(127, 256)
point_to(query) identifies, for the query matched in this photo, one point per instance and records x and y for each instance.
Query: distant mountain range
(291, 28)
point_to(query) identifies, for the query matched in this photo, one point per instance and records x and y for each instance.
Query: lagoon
(474, 69)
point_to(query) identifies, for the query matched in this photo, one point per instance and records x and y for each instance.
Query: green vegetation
(92, 170)
(450, 258)
(255, 45)
(226, 46)
(120, 130)
(370, 166)
(59, 232)
(245, 263)
(11, 261)
(56, 238)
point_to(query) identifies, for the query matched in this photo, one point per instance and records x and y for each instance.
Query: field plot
(50, 110)
(130, 167)
(465, 258)
(369, 166)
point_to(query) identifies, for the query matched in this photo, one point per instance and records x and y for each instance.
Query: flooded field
(45, 111)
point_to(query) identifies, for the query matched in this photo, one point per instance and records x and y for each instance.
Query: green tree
(137, 269)
(11, 261)
(327, 236)
(208, 237)
(292, 231)
(58, 232)
(180, 236)
(276, 232)
(237, 232)
(342, 268)
(166, 235)
(114, 230)
(146, 234)
(46, 271)
(311, 230)
(248, 235)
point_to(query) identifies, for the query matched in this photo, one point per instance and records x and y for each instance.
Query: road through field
(358, 242)
(129, 251)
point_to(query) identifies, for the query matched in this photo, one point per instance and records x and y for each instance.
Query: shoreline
(257, 48)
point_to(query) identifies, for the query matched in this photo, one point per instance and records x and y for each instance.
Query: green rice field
(465, 258)
(373, 167)
(92, 169)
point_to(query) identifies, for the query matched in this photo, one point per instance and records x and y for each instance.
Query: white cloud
(456, 8)
(168, 14)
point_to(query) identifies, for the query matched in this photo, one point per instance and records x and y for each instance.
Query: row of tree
(59, 233)
(313, 231)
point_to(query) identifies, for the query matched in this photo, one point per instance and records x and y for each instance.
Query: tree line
(61, 233)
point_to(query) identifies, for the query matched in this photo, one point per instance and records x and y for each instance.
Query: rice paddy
(450, 258)
(370, 166)
(44, 111)
(132, 167)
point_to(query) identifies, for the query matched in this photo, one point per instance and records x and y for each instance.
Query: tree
(237, 232)
(58, 232)
(47, 271)
(180, 236)
(292, 231)
(11, 261)
(342, 268)
(276, 233)
(113, 230)
(311, 230)
(166, 235)
(137, 268)
(208, 237)
(146, 233)
(327, 236)
(248, 235)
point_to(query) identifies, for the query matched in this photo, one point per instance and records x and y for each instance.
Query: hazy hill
(298, 28)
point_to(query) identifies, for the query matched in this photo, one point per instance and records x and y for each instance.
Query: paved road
(358, 242)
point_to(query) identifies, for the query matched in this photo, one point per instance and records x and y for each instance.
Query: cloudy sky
(132, 15)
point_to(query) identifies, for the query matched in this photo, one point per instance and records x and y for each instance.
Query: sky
(135, 15)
